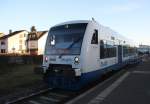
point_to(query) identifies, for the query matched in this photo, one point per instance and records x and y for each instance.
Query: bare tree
(33, 29)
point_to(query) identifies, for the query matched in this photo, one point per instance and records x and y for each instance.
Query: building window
(33, 36)
(21, 36)
(2, 43)
(25, 34)
(20, 41)
(3, 51)
(25, 43)
(20, 47)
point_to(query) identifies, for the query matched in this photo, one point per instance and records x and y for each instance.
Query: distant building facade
(23, 42)
(14, 42)
(1, 34)
(36, 42)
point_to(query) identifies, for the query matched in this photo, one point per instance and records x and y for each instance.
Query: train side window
(102, 54)
(107, 50)
(95, 37)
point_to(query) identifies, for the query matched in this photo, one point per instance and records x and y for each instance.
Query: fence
(20, 59)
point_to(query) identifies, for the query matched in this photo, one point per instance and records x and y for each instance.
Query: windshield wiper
(70, 46)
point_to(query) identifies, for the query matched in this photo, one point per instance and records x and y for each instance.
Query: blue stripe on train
(76, 84)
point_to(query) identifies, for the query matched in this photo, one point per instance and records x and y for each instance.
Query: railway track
(46, 96)
(55, 96)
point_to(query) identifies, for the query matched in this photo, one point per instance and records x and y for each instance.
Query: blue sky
(130, 18)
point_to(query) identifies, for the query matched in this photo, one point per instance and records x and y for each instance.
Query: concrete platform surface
(133, 87)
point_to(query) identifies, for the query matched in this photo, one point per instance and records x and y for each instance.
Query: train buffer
(132, 87)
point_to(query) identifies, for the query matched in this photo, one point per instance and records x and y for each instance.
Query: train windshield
(65, 39)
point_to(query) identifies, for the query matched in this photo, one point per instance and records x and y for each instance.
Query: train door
(119, 54)
(94, 51)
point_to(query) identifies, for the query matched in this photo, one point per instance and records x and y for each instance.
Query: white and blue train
(79, 52)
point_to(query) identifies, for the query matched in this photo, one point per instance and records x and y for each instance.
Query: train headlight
(46, 59)
(76, 60)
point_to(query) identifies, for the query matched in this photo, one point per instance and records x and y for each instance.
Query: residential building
(14, 42)
(1, 34)
(36, 42)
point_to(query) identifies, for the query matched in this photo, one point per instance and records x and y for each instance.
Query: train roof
(72, 22)
(109, 30)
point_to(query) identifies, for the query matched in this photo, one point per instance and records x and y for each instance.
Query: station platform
(132, 87)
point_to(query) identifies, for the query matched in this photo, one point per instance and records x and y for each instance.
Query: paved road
(133, 87)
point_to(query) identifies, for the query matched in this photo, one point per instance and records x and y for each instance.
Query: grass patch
(16, 77)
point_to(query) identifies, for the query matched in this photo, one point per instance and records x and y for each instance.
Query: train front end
(62, 57)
